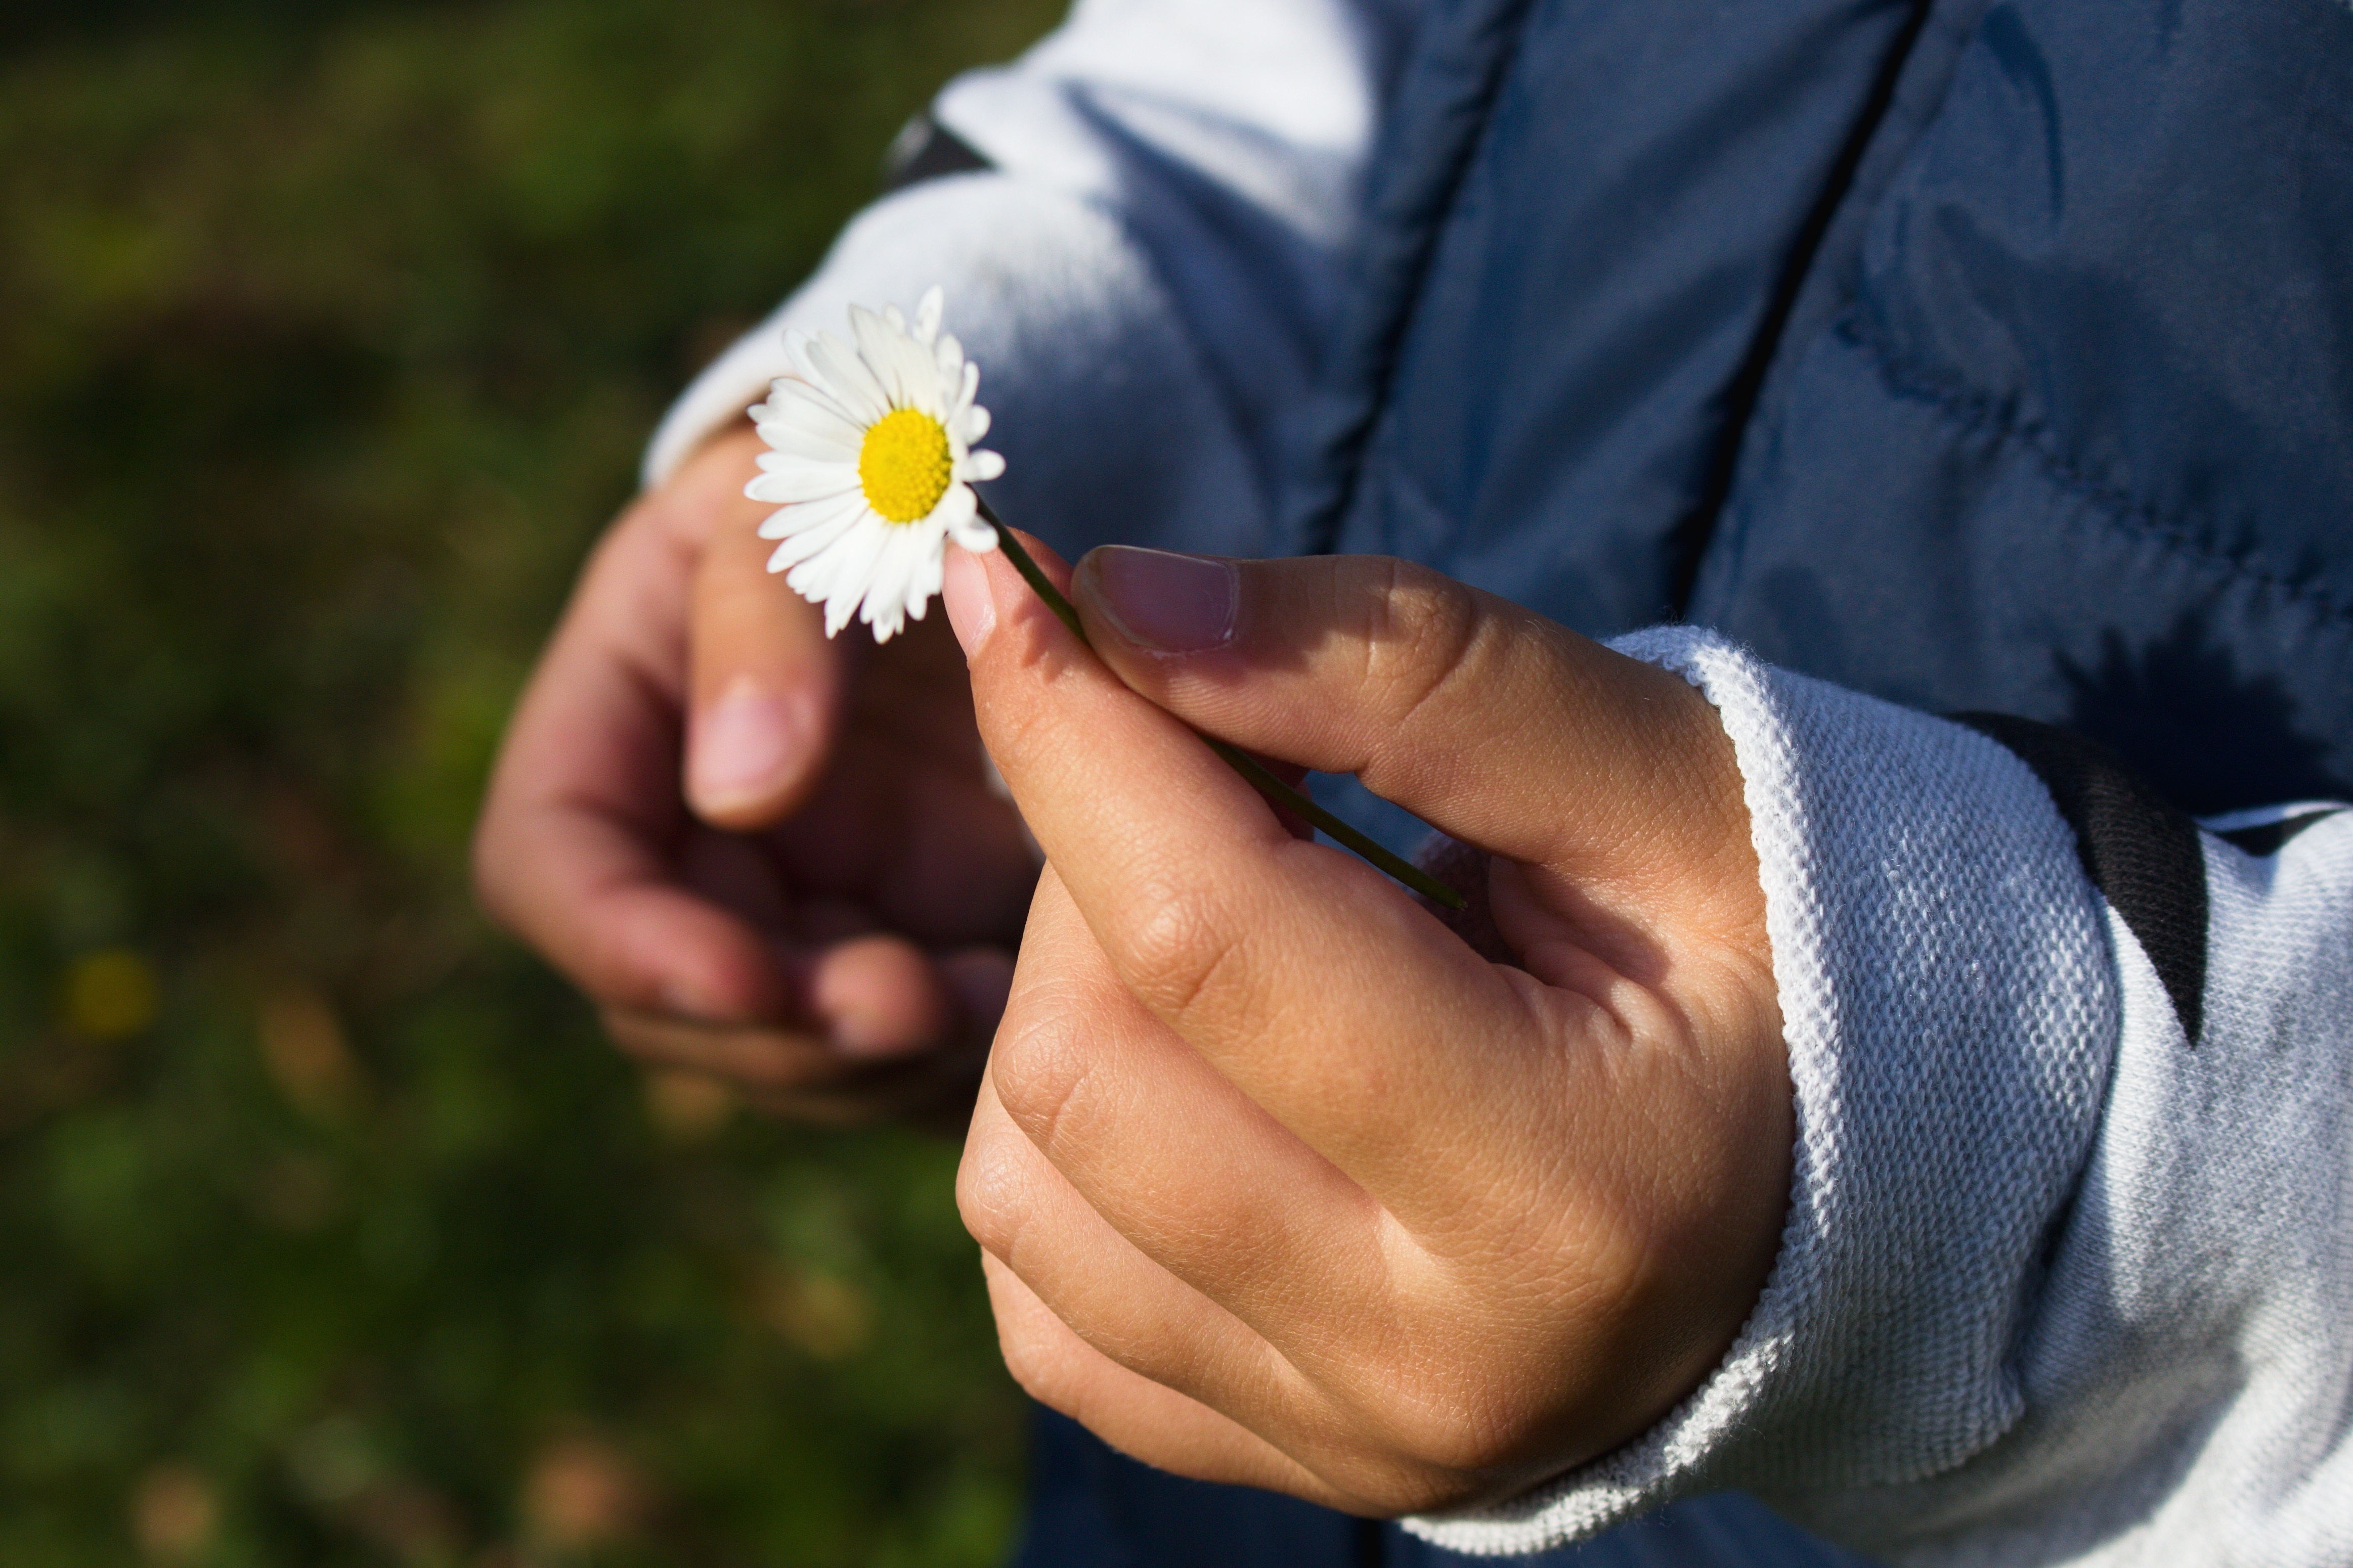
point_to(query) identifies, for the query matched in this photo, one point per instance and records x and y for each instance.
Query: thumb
(766, 682)
(1504, 729)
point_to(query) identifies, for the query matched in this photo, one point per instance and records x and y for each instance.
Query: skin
(1277, 1180)
(834, 933)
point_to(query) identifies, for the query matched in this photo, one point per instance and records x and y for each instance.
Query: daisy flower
(874, 465)
(872, 462)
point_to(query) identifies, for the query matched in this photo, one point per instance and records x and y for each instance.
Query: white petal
(788, 558)
(926, 552)
(846, 376)
(982, 465)
(774, 462)
(797, 401)
(840, 604)
(928, 310)
(916, 543)
(910, 607)
(815, 445)
(876, 345)
(804, 482)
(886, 593)
(948, 354)
(891, 314)
(815, 578)
(827, 521)
(795, 520)
(800, 547)
(844, 572)
(930, 571)
(973, 535)
(785, 391)
(957, 506)
(971, 387)
(797, 344)
(972, 424)
(806, 543)
(919, 378)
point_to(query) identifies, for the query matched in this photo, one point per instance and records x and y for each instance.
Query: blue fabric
(2080, 446)
(1990, 357)
(1092, 1508)
(2064, 427)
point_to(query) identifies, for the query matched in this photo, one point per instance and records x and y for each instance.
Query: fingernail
(744, 742)
(972, 612)
(1164, 602)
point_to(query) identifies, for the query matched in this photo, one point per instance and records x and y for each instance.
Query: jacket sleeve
(2068, 1254)
(1143, 254)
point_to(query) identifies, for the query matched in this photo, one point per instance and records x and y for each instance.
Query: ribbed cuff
(1950, 1012)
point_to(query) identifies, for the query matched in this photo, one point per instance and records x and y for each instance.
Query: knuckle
(1391, 1488)
(1175, 949)
(1415, 1490)
(1038, 1068)
(1426, 635)
(1041, 1364)
(1014, 727)
(1463, 1448)
(1440, 1433)
(991, 1187)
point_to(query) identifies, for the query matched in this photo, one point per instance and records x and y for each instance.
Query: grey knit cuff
(1950, 1011)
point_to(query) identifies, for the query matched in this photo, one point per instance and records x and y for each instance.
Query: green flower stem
(1255, 772)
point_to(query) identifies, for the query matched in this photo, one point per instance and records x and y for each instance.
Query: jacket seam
(1689, 538)
(1912, 378)
(1383, 343)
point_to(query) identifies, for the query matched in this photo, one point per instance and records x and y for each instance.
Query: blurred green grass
(331, 1231)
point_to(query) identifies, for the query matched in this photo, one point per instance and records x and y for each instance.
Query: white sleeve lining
(2056, 1284)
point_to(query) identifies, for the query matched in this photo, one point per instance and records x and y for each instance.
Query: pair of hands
(1278, 1181)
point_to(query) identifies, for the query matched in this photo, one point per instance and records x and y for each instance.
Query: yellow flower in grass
(872, 464)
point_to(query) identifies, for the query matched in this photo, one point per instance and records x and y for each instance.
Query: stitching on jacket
(1689, 538)
(1367, 350)
(1908, 377)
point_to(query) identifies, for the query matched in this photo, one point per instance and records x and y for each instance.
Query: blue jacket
(1977, 357)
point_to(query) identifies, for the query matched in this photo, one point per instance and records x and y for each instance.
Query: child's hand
(834, 933)
(1279, 1182)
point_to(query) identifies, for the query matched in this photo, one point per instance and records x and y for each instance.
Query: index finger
(1307, 978)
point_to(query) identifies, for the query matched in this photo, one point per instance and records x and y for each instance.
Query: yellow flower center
(905, 465)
